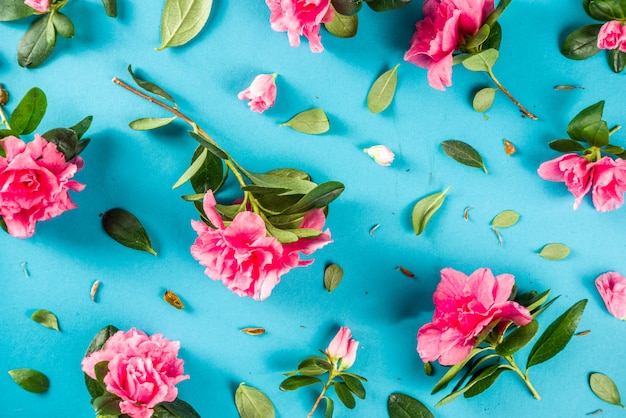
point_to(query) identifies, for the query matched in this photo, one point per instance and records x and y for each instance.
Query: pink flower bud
(40, 6)
(381, 154)
(343, 348)
(612, 288)
(261, 93)
(612, 35)
(348, 360)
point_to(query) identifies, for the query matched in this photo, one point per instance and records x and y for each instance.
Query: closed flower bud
(343, 348)
(261, 93)
(381, 154)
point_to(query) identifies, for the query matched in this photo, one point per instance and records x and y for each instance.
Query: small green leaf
(482, 380)
(483, 100)
(252, 403)
(355, 385)
(182, 20)
(211, 176)
(596, 133)
(582, 43)
(475, 41)
(613, 149)
(607, 10)
(617, 60)
(81, 127)
(384, 88)
(150, 86)
(483, 61)
(554, 251)
(319, 197)
(428, 368)
(29, 112)
(333, 274)
(65, 140)
(344, 395)
(386, 5)
(33, 48)
(585, 118)
(30, 380)
(180, 409)
(46, 318)
(14, 10)
(211, 147)
(454, 370)
(110, 7)
(313, 121)
(296, 382)
(347, 7)
(314, 366)
(343, 26)
(517, 339)
(505, 219)
(330, 407)
(566, 145)
(107, 404)
(463, 153)
(63, 25)
(557, 335)
(400, 405)
(195, 166)
(604, 388)
(146, 124)
(425, 208)
(51, 32)
(495, 36)
(126, 229)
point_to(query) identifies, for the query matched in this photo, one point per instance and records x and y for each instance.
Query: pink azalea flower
(34, 183)
(143, 371)
(612, 35)
(40, 6)
(445, 27)
(343, 348)
(573, 170)
(609, 183)
(464, 307)
(300, 18)
(261, 93)
(612, 288)
(381, 154)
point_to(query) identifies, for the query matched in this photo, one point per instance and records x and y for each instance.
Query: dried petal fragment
(466, 212)
(509, 148)
(405, 271)
(495, 231)
(94, 290)
(25, 269)
(374, 228)
(173, 299)
(253, 330)
(565, 87)
(582, 333)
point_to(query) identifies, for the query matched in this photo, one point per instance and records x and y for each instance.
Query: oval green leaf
(343, 26)
(146, 124)
(400, 405)
(30, 380)
(604, 388)
(385, 5)
(33, 48)
(63, 25)
(320, 196)
(566, 145)
(110, 7)
(483, 100)
(182, 20)
(425, 208)
(585, 118)
(355, 385)
(178, 408)
(333, 274)
(313, 121)
(505, 219)
(296, 382)
(344, 395)
(347, 7)
(107, 405)
(463, 153)
(46, 319)
(29, 112)
(554, 252)
(210, 176)
(384, 88)
(483, 61)
(517, 339)
(557, 335)
(252, 403)
(125, 228)
(582, 43)
(66, 141)
(14, 10)
(482, 381)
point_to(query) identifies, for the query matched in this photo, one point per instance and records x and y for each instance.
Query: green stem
(524, 377)
(525, 111)
(319, 398)
(615, 129)
(3, 118)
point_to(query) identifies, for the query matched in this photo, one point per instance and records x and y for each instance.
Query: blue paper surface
(383, 307)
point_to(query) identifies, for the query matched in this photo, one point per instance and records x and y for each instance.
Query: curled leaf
(425, 208)
(125, 228)
(46, 318)
(313, 121)
(30, 380)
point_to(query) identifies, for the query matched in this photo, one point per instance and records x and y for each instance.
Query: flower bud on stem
(331, 376)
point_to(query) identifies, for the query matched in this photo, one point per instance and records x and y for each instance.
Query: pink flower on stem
(261, 93)
(609, 183)
(612, 288)
(34, 183)
(343, 348)
(612, 35)
(300, 18)
(464, 307)
(381, 154)
(573, 170)
(143, 371)
(445, 27)
(40, 6)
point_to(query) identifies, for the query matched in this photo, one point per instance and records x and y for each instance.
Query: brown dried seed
(509, 148)
(582, 333)
(565, 87)
(254, 331)
(94, 289)
(405, 271)
(173, 299)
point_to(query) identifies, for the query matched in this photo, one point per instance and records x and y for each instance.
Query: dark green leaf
(252, 403)
(295, 185)
(81, 127)
(296, 382)
(51, 32)
(193, 169)
(604, 388)
(425, 208)
(505, 219)
(29, 112)
(554, 252)
(582, 43)
(483, 100)
(150, 86)
(14, 10)
(481, 375)
(495, 37)
(182, 20)
(400, 405)
(110, 7)
(428, 368)
(180, 409)
(385, 5)
(146, 124)
(332, 277)
(80, 147)
(65, 140)
(211, 176)
(517, 339)
(463, 153)
(344, 395)
(3, 134)
(212, 148)
(612, 149)
(322, 195)
(617, 60)
(126, 229)
(100, 339)
(454, 370)
(314, 366)
(330, 407)
(557, 335)
(343, 26)
(482, 61)
(607, 9)
(30, 380)
(384, 88)
(566, 145)
(586, 117)
(107, 405)
(46, 318)
(596, 134)
(33, 48)
(354, 385)
(474, 42)
(313, 121)
(347, 7)
(100, 371)
(63, 25)
(483, 382)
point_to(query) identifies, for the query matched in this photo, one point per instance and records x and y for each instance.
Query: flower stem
(615, 129)
(525, 111)
(319, 398)
(524, 377)
(3, 118)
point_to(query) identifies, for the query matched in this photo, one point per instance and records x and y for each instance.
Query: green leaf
(483, 61)
(554, 252)
(566, 145)
(400, 405)
(65, 140)
(604, 388)
(344, 395)
(517, 339)
(100, 339)
(613, 149)
(343, 26)
(30, 380)
(330, 407)
(252, 403)
(107, 404)
(14, 10)
(110, 7)
(33, 48)
(347, 7)
(51, 33)
(29, 112)
(384, 88)
(385, 5)
(332, 277)
(314, 366)
(355, 385)
(582, 43)
(483, 380)
(607, 10)
(210, 176)
(296, 382)
(180, 409)
(475, 41)
(321, 196)
(557, 335)
(126, 229)
(150, 86)
(146, 124)
(182, 20)
(454, 370)
(495, 15)
(313, 121)
(63, 25)
(81, 127)
(586, 117)
(293, 184)
(212, 148)
(193, 169)
(617, 60)
(483, 100)
(46, 318)
(596, 134)
(428, 368)
(505, 219)
(425, 208)
(494, 38)
(463, 153)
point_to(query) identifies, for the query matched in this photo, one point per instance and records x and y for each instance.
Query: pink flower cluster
(244, 257)
(40, 6)
(343, 349)
(612, 289)
(612, 35)
(300, 18)
(464, 307)
(143, 371)
(261, 93)
(606, 178)
(34, 183)
(445, 27)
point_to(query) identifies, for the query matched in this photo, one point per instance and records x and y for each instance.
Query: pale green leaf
(382, 91)
(182, 20)
(425, 208)
(193, 169)
(252, 403)
(483, 100)
(46, 319)
(483, 61)
(313, 121)
(554, 251)
(343, 26)
(505, 219)
(604, 388)
(333, 274)
(146, 124)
